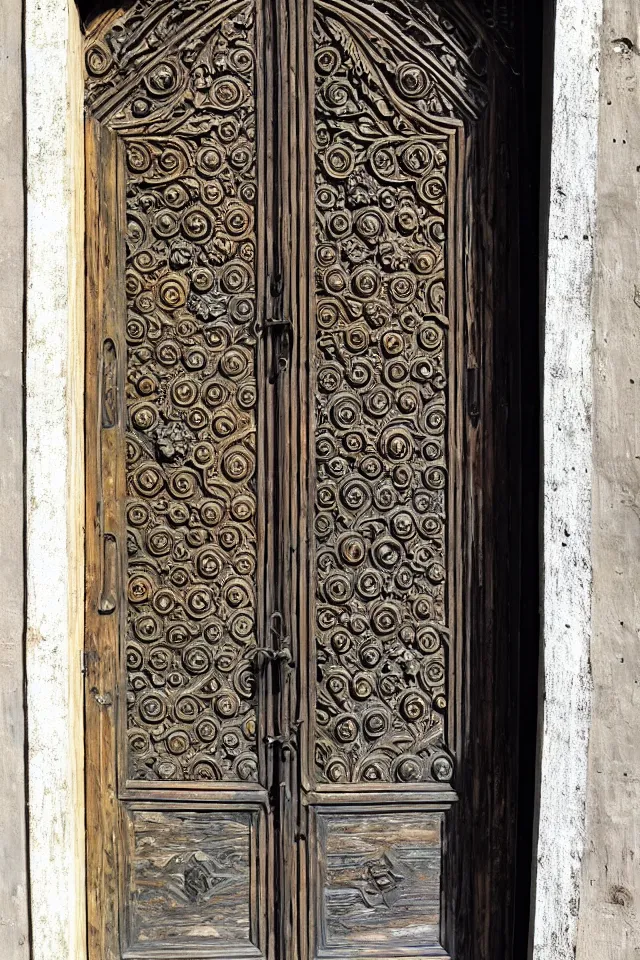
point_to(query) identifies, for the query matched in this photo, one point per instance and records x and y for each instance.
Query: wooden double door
(290, 302)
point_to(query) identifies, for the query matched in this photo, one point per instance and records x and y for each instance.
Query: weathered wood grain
(379, 883)
(188, 881)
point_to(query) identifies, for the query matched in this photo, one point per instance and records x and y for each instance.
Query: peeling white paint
(567, 479)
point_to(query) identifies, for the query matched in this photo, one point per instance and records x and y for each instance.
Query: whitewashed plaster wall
(54, 464)
(609, 914)
(567, 477)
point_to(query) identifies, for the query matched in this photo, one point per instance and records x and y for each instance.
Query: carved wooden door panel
(290, 310)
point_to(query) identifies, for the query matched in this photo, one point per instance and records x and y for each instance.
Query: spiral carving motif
(188, 127)
(381, 417)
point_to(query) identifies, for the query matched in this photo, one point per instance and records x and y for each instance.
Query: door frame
(54, 535)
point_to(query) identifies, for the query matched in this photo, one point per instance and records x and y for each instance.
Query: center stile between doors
(297, 692)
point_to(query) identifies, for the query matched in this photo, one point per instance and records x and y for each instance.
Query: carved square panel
(190, 883)
(378, 884)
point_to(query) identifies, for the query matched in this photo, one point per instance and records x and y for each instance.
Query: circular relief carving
(428, 640)
(383, 163)
(175, 196)
(241, 309)
(237, 464)
(197, 659)
(339, 224)
(98, 59)
(432, 188)
(442, 769)
(385, 618)
(143, 416)
(164, 602)
(338, 588)
(369, 225)
(236, 277)
(435, 478)
(326, 255)
(329, 377)
(336, 771)
(359, 373)
(402, 287)
(345, 411)
(402, 525)
(365, 281)
(205, 770)
(412, 80)
(435, 420)
(346, 728)
(206, 730)
(212, 193)
(208, 563)
(430, 336)
(361, 687)
(238, 221)
(352, 549)
(246, 767)
(152, 708)
(138, 157)
(395, 372)
(396, 444)
(159, 541)
(413, 707)
(417, 158)
(147, 627)
(162, 81)
(327, 60)
(137, 514)
(354, 442)
(199, 601)
(235, 362)
(338, 161)
(354, 494)
(407, 220)
(408, 401)
(172, 292)
(184, 392)
(247, 396)
(227, 706)
(341, 642)
(407, 769)
(139, 589)
(392, 343)
(168, 353)
(227, 92)
(241, 156)
(183, 484)
(241, 626)
(197, 224)
(387, 553)
(369, 585)
(148, 480)
(178, 742)
(165, 224)
(375, 724)
(236, 594)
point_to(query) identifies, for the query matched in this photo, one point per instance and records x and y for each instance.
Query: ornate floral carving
(382, 415)
(187, 118)
(437, 42)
